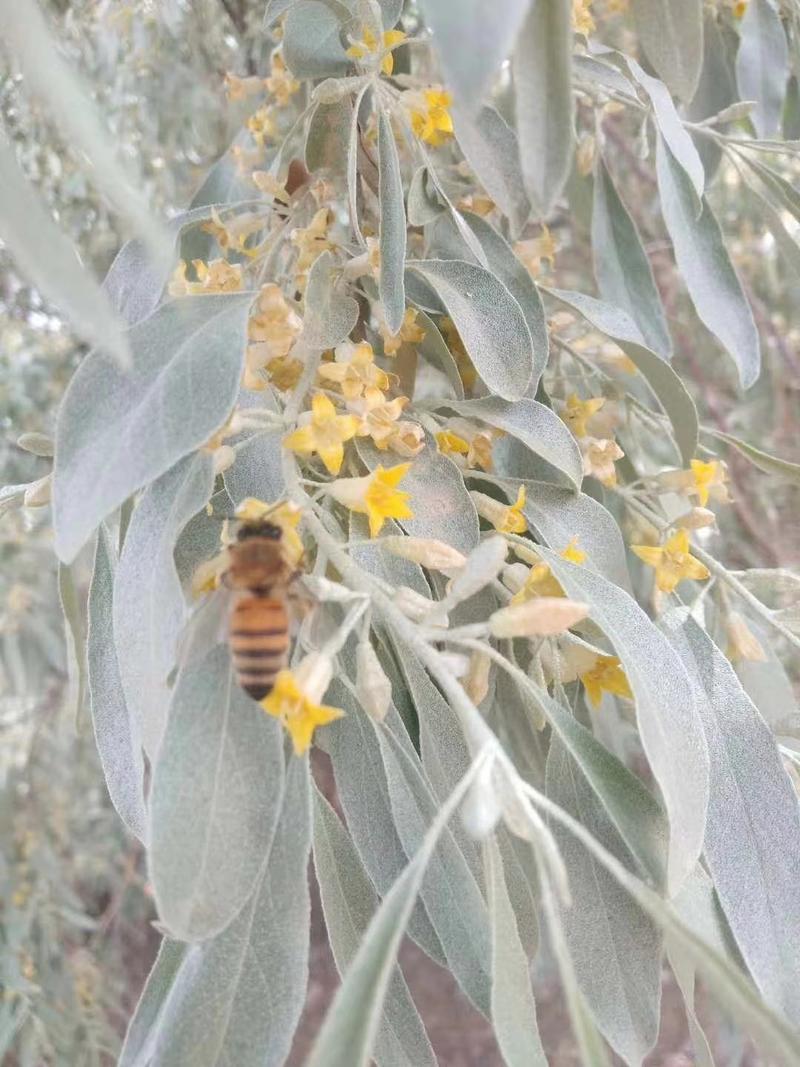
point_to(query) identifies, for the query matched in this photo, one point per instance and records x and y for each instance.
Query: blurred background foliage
(74, 920)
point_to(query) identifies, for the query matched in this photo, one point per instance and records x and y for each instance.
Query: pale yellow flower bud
(742, 642)
(476, 681)
(541, 617)
(428, 552)
(696, 519)
(373, 688)
(38, 493)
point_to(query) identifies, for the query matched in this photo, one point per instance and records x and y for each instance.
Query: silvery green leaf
(392, 230)
(214, 799)
(735, 993)
(513, 1007)
(684, 971)
(670, 127)
(377, 561)
(668, 388)
(483, 565)
(519, 872)
(488, 319)
(119, 429)
(143, 1027)
(351, 1025)
(770, 688)
(621, 267)
(602, 75)
(615, 947)
(330, 314)
(716, 91)
(670, 728)
(116, 731)
(783, 468)
(352, 168)
(329, 136)
(752, 842)
(491, 149)
(450, 893)
(73, 608)
(672, 36)
(312, 45)
(237, 997)
(762, 65)
(635, 814)
(149, 609)
(500, 259)
(539, 429)
(348, 903)
(703, 261)
(257, 469)
(25, 35)
(442, 507)
(276, 9)
(432, 349)
(352, 744)
(542, 70)
(470, 46)
(46, 257)
(423, 204)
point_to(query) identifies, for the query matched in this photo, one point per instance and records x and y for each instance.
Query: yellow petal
(322, 407)
(649, 554)
(392, 475)
(696, 570)
(332, 457)
(300, 440)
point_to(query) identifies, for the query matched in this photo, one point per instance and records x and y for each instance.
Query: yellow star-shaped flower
(606, 676)
(325, 434)
(450, 444)
(542, 582)
(577, 412)
(709, 478)
(299, 715)
(375, 495)
(368, 45)
(430, 116)
(409, 333)
(672, 561)
(355, 372)
(513, 521)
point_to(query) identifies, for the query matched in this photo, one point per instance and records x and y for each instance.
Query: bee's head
(267, 530)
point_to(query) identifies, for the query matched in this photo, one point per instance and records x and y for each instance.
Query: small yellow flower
(450, 444)
(375, 495)
(541, 580)
(355, 372)
(271, 331)
(576, 413)
(218, 276)
(409, 333)
(742, 642)
(311, 241)
(369, 46)
(513, 521)
(280, 83)
(381, 421)
(430, 118)
(739, 8)
(325, 434)
(582, 20)
(263, 126)
(232, 233)
(299, 715)
(477, 203)
(709, 480)
(599, 457)
(537, 250)
(459, 353)
(606, 676)
(672, 561)
(238, 88)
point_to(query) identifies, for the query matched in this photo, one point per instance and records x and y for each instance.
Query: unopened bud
(224, 457)
(412, 604)
(696, 519)
(476, 680)
(742, 642)
(481, 809)
(428, 552)
(542, 617)
(373, 688)
(38, 493)
(37, 443)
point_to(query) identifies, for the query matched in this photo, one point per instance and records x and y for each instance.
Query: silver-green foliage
(470, 817)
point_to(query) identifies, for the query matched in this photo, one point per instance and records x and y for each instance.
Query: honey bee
(259, 575)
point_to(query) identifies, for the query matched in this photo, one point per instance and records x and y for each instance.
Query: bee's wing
(206, 628)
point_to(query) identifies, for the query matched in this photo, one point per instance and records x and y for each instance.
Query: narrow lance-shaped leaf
(120, 429)
(470, 46)
(392, 235)
(513, 1006)
(783, 468)
(116, 731)
(615, 947)
(237, 998)
(349, 901)
(703, 261)
(752, 803)
(762, 65)
(149, 609)
(25, 34)
(489, 320)
(672, 36)
(351, 1025)
(46, 257)
(542, 69)
(214, 799)
(621, 266)
(669, 725)
(140, 1037)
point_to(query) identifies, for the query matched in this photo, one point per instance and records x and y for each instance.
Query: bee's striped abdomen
(259, 643)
